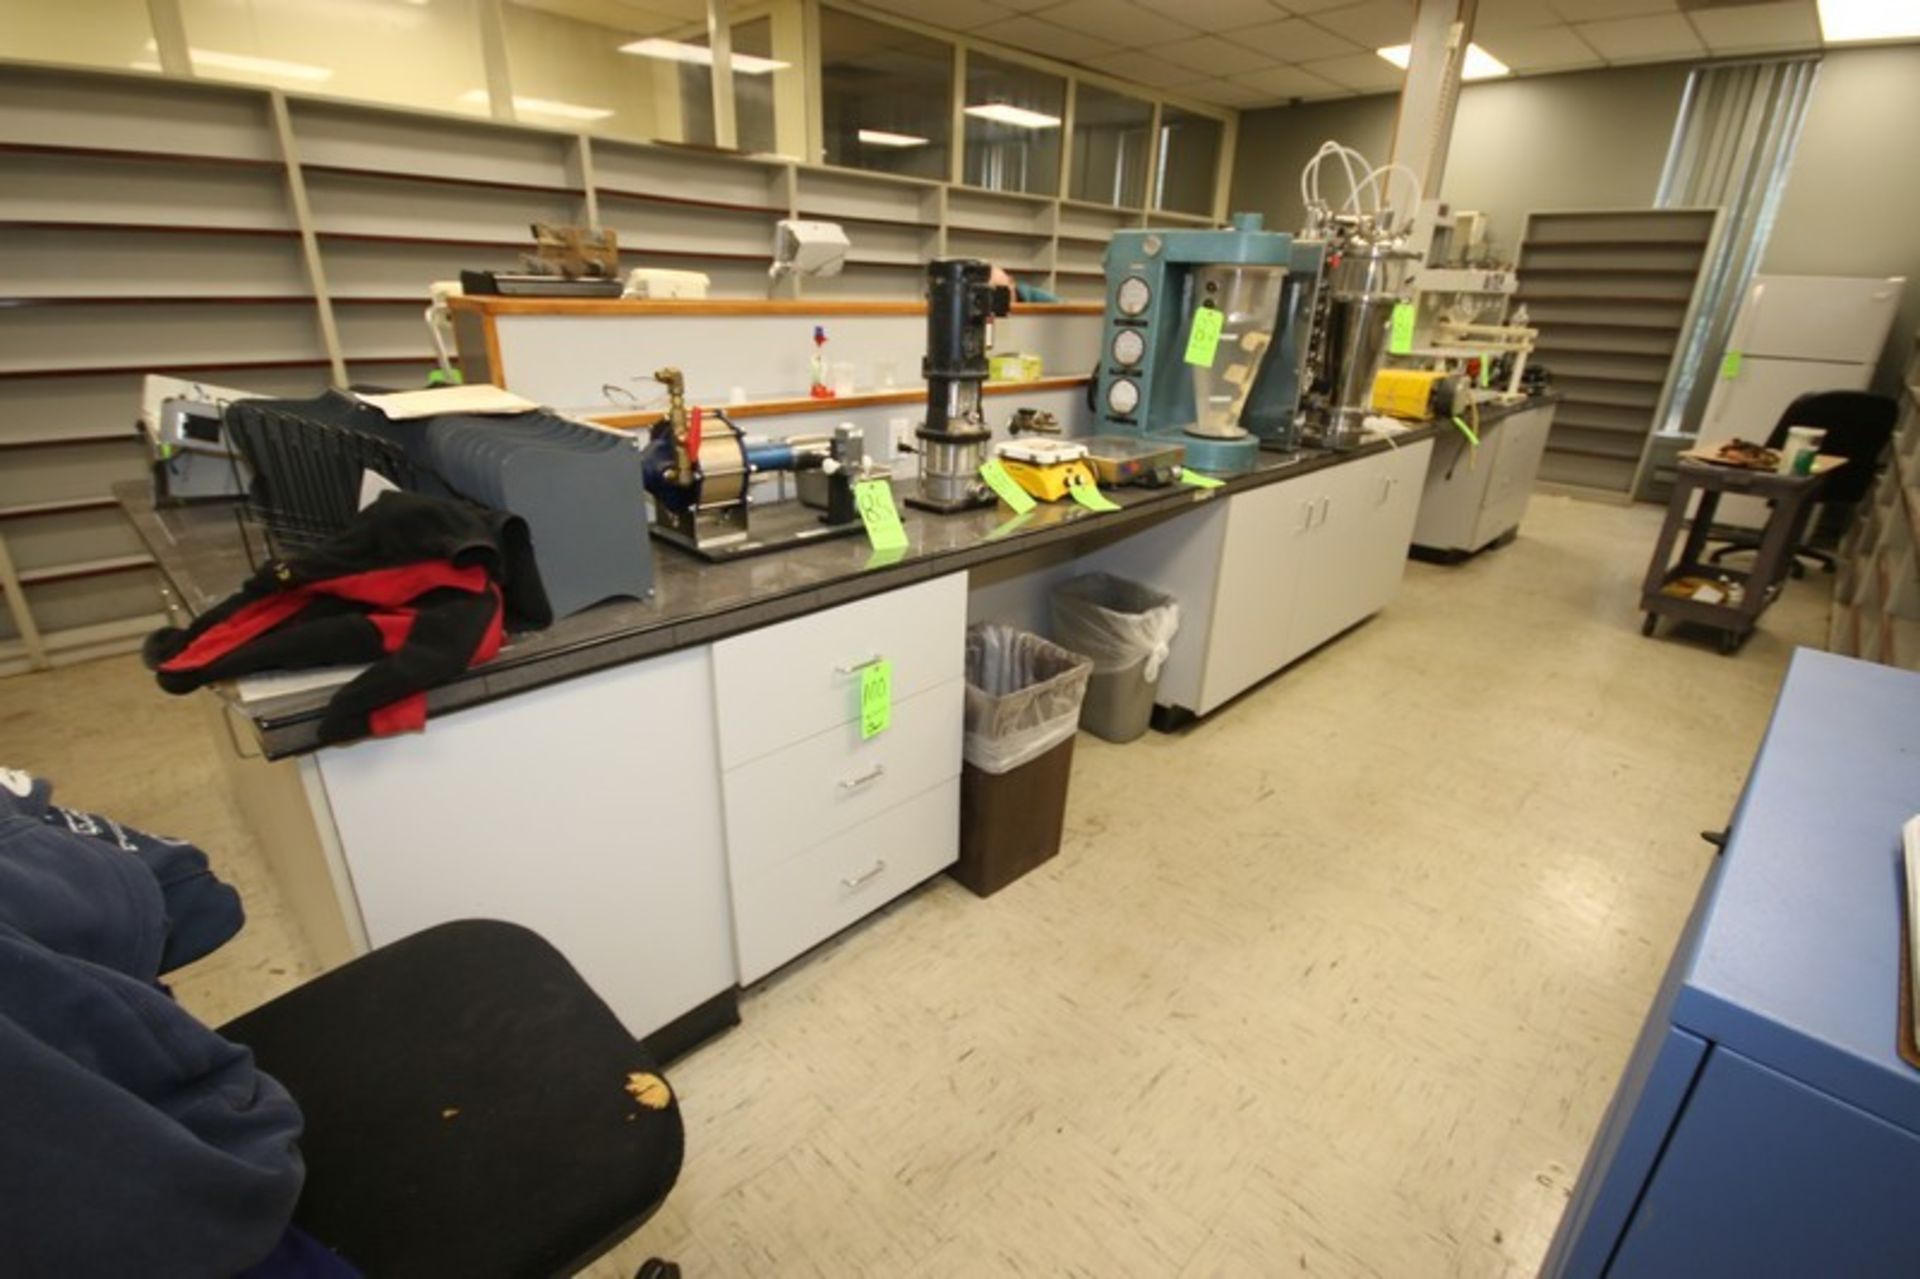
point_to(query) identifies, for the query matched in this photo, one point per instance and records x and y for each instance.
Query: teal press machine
(1206, 338)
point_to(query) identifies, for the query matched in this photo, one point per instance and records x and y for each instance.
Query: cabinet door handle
(868, 875)
(1325, 503)
(854, 668)
(873, 774)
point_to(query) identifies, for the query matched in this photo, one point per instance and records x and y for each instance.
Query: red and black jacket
(420, 587)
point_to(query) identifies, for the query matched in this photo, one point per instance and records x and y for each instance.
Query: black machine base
(950, 507)
(776, 527)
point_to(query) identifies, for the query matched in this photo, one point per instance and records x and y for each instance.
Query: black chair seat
(466, 1107)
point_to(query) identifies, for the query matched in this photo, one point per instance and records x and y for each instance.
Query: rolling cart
(1689, 589)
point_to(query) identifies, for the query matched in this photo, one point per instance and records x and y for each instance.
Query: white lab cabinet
(1270, 574)
(824, 826)
(1474, 497)
(589, 811)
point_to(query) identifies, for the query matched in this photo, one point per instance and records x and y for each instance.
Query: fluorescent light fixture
(243, 63)
(881, 138)
(700, 55)
(1479, 65)
(1855, 21)
(1006, 113)
(539, 106)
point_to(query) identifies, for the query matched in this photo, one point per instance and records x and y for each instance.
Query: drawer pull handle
(855, 668)
(871, 775)
(866, 876)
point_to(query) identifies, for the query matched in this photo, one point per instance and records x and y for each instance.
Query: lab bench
(1765, 1123)
(675, 792)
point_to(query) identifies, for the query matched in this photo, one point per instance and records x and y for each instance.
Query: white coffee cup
(1800, 439)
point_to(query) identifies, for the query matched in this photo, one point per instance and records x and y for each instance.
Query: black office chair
(1858, 426)
(467, 1108)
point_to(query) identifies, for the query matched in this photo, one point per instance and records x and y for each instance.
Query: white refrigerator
(1794, 334)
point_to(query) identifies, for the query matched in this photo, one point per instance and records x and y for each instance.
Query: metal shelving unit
(277, 243)
(1611, 292)
(1876, 592)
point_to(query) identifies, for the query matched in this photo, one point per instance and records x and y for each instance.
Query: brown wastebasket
(1022, 705)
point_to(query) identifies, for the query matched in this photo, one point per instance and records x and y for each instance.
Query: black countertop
(200, 551)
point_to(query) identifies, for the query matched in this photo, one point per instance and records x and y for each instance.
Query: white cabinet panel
(1523, 441)
(1391, 504)
(783, 803)
(782, 683)
(807, 899)
(1267, 532)
(1336, 555)
(588, 811)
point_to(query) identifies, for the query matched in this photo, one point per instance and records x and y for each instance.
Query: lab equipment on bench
(699, 467)
(806, 249)
(1205, 339)
(1419, 394)
(1127, 459)
(1046, 469)
(962, 302)
(659, 282)
(193, 457)
(1459, 302)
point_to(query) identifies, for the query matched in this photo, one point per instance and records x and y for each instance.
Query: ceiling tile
(1371, 25)
(1294, 41)
(1030, 35)
(1541, 49)
(1660, 35)
(1142, 67)
(1117, 22)
(1363, 71)
(1213, 55)
(944, 13)
(1511, 15)
(1281, 83)
(1753, 27)
(1231, 93)
(1597, 10)
(1312, 6)
(1216, 15)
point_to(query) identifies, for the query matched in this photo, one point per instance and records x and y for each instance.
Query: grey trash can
(1126, 629)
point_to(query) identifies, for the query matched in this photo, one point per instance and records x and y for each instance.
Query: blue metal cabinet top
(1796, 961)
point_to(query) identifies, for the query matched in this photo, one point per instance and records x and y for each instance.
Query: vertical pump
(962, 302)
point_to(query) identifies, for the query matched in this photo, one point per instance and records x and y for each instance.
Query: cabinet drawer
(807, 899)
(788, 801)
(779, 684)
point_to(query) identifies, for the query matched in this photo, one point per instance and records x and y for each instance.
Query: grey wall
(1587, 140)
(1852, 203)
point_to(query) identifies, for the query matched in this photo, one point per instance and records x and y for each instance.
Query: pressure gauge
(1128, 347)
(1133, 296)
(1123, 397)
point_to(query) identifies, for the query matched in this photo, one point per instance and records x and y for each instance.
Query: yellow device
(1418, 394)
(1046, 468)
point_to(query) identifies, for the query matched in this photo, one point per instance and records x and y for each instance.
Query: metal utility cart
(1727, 599)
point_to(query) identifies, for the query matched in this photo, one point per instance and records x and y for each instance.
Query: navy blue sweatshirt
(133, 1139)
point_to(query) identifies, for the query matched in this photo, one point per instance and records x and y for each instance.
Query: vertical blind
(1732, 148)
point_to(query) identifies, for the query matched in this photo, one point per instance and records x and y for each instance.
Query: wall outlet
(899, 438)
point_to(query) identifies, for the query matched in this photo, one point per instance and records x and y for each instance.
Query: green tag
(876, 699)
(1190, 476)
(1006, 486)
(1467, 431)
(1730, 365)
(1205, 338)
(1486, 371)
(1090, 496)
(875, 500)
(1400, 329)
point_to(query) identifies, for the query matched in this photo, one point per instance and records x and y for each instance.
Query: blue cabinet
(1765, 1124)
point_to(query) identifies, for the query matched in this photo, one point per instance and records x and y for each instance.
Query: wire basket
(307, 474)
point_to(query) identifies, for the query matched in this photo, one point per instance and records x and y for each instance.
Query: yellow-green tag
(1730, 365)
(1190, 476)
(1090, 496)
(876, 699)
(1205, 338)
(1486, 370)
(1400, 329)
(1005, 486)
(874, 498)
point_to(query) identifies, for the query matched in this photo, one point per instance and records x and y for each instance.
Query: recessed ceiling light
(1006, 113)
(540, 106)
(1855, 21)
(700, 55)
(1479, 65)
(882, 138)
(244, 63)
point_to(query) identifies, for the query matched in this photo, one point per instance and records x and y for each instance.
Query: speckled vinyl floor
(1336, 983)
